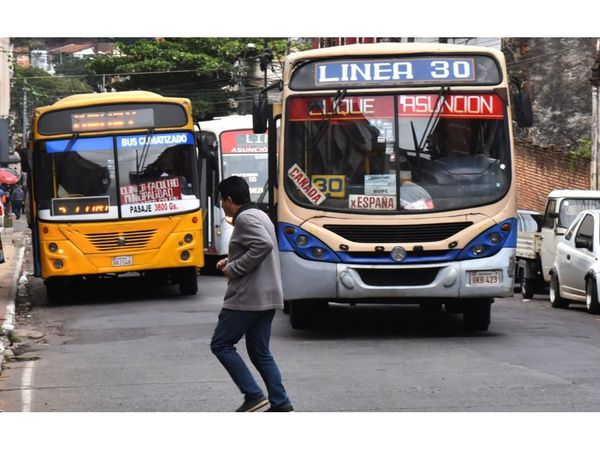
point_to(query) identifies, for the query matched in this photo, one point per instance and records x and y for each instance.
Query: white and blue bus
(231, 148)
(394, 177)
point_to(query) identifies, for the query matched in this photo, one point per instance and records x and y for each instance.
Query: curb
(8, 325)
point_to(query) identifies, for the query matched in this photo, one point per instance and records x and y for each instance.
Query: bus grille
(398, 233)
(121, 240)
(398, 277)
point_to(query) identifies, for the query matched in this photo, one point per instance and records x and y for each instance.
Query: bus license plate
(120, 261)
(485, 278)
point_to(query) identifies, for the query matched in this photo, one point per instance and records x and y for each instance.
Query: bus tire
(55, 290)
(477, 315)
(188, 281)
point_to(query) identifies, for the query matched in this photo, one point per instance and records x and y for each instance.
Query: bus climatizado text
(115, 188)
(394, 177)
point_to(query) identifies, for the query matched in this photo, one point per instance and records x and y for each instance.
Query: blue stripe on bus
(81, 145)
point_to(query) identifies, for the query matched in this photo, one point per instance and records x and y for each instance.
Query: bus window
(430, 158)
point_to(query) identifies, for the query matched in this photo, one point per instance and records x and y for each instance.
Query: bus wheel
(188, 281)
(476, 316)
(303, 312)
(55, 290)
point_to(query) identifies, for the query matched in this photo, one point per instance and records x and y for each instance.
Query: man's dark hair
(235, 187)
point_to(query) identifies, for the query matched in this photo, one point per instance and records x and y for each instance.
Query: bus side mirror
(522, 109)
(260, 114)
(25, 167)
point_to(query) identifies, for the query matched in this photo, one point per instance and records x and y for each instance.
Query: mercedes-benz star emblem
(398, 253)
(121, 241)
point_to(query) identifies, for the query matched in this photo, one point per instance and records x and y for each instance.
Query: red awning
(7, 177)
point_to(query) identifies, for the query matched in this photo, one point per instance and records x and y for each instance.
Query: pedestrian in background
(17, 199)
(253, 295)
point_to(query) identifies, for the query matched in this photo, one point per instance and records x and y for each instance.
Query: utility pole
(5, 75)
(595, 81)
(24, 112)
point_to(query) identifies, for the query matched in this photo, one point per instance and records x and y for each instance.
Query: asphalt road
(130, 346)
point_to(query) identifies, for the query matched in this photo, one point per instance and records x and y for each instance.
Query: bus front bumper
(485, 277)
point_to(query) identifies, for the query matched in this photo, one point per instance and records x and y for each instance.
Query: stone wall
(540, 170)
(556, 73)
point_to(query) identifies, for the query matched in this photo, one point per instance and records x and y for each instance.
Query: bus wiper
(339, 96)
(141, 161)
(433, 118)
(67, 149)
(419, 145)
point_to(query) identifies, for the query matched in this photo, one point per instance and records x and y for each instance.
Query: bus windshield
(245, 154)
(109, 177)
(396, 153)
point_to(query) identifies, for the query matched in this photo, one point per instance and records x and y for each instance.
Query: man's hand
(221, 264)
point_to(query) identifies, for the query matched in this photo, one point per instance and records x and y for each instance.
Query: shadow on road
(368, 321)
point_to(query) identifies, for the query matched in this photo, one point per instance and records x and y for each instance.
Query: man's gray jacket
(254, 274)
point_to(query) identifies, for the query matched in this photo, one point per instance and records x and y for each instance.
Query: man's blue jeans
(256, 326)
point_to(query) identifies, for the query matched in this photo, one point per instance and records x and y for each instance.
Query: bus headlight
(478, 250)
(495, 238)
(302, 240)
(185, 255)
(188, 238)
(491, 241)
(58, 264)
(52, 247)
(294, 239)
(318, 252)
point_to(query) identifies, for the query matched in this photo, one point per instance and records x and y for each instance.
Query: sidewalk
(14, 249)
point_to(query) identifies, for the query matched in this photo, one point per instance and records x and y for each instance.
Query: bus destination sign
(395, 71)
(112, 120)
(391, 71)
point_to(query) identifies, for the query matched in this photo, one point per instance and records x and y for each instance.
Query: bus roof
(388, 48)
(96, 98)
(233, 122)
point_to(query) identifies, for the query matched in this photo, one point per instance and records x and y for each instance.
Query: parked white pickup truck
(536, 249)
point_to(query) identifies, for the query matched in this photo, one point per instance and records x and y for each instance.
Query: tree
(201, 69)
(41, 89)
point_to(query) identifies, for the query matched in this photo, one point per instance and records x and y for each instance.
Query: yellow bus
(115, 189)
(394, 178)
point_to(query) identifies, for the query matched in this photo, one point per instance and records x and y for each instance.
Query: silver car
(575, 275)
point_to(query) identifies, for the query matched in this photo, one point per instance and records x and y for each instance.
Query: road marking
(27, 387)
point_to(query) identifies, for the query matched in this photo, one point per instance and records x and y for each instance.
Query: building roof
(72, 48)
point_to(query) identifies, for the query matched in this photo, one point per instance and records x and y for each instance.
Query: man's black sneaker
(284, 408)
(253, 405)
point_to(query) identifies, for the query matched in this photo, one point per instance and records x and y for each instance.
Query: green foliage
(201, 69)
(583, 151)
(42, 89)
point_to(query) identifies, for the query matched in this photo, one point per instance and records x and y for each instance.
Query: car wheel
(555, 299)
(591, 296)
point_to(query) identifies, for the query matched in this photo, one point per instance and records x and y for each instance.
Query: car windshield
(570, 207)
(133, 175)
(405, 153)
